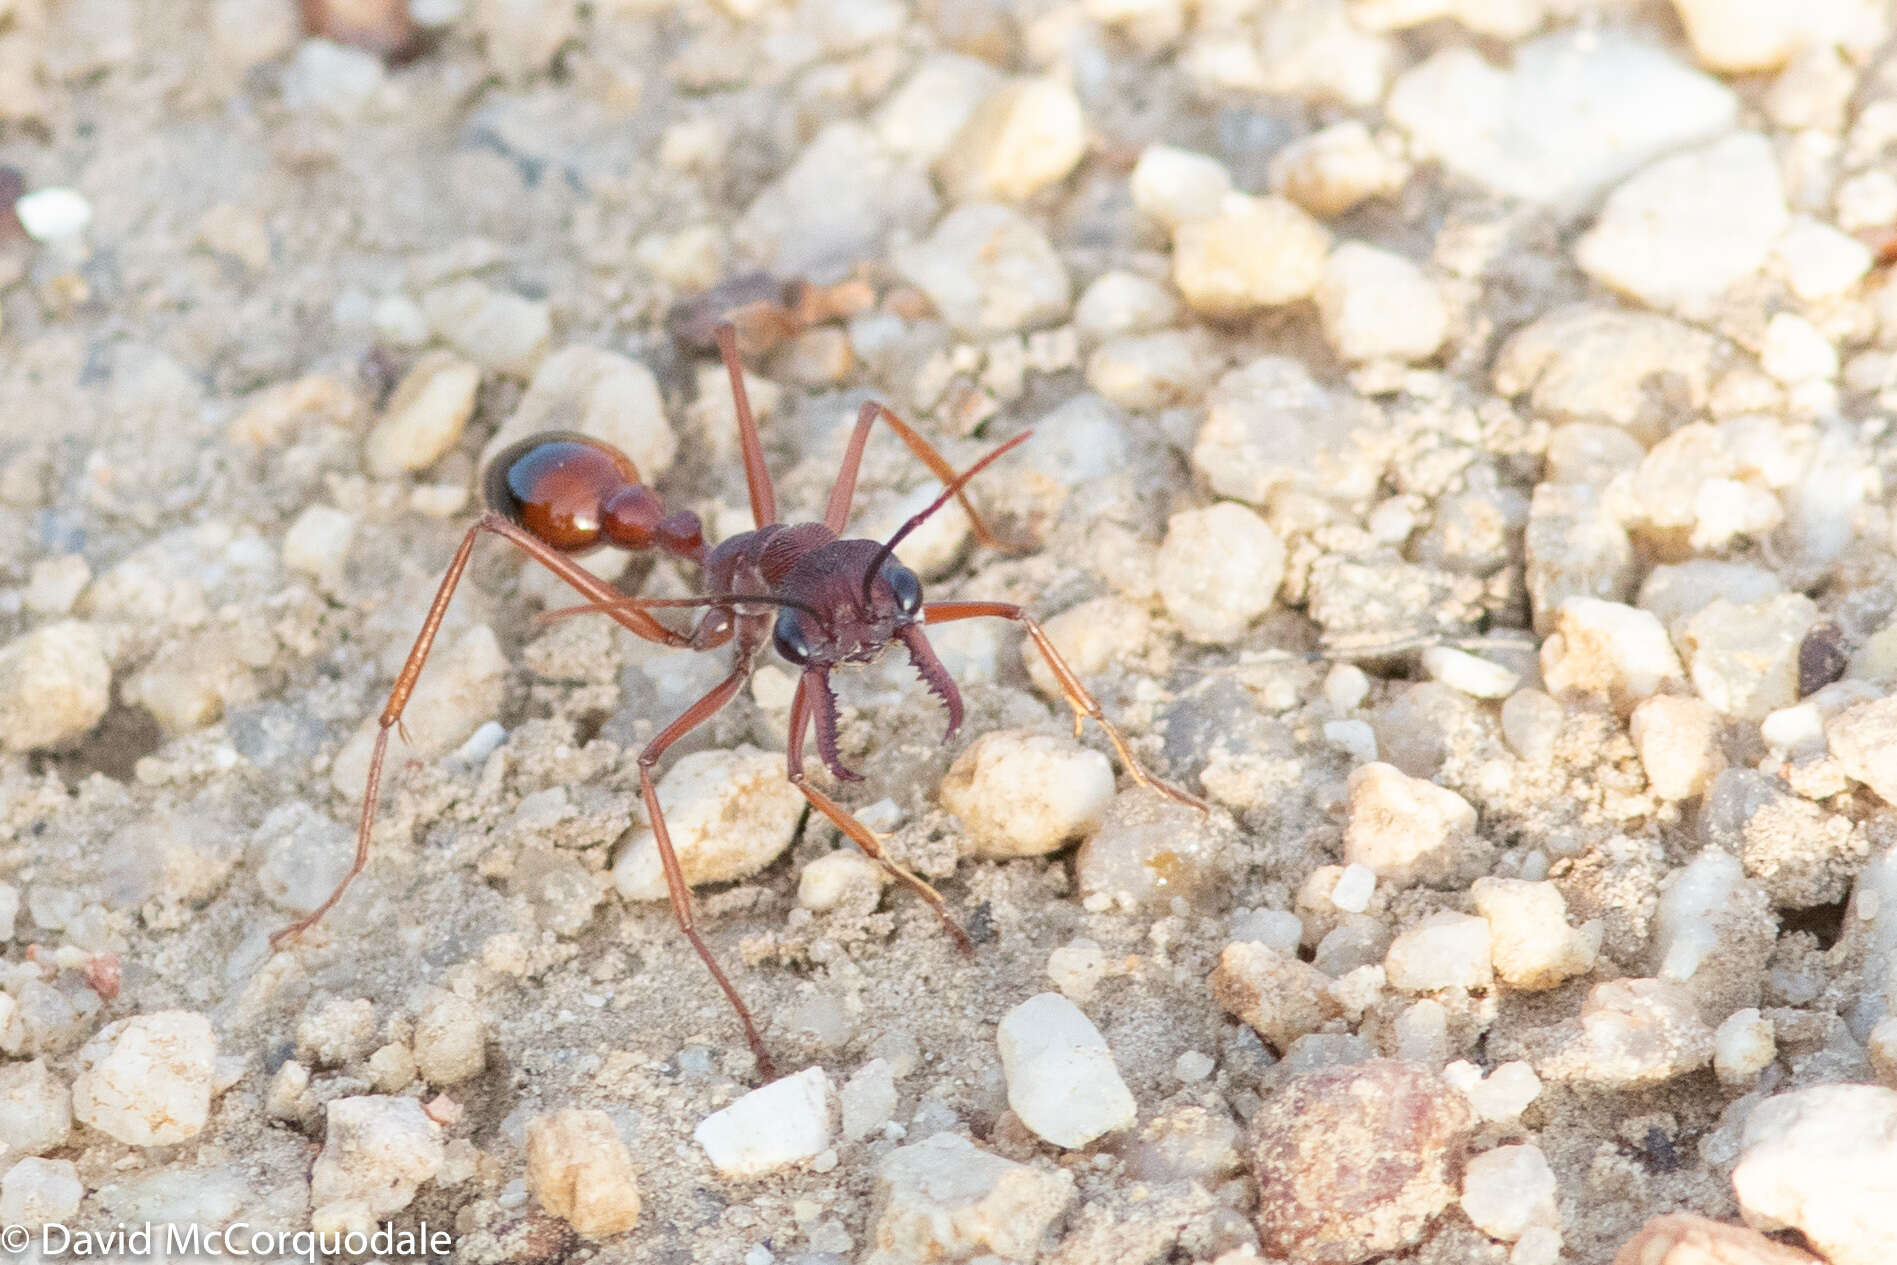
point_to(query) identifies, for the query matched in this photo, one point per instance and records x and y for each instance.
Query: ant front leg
(635, 621)
(802, 710)
(681, 894)
(1085, 705)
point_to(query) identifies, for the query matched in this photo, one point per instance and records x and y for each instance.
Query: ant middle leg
(837, 513)
(1085, 706)
(802, 709)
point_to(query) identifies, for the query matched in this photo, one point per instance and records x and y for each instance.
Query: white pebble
(54, 214)
(1744, 1044)
(1027, 135)
(459, 693)
(424, 417)
(1499, 1097)
(919, 119)
(450, 1041)
(376, 1151)
(988, 270)
(1019, 792)
(1822, 1161)
(147, 1080)
(1250, 253)
(1116, 303)
(1193, 1067)
(945, 1199)
(1608, 651)
(1795, 351)
(1631, 1032)
(37, 1192)
(35, 1109)
(1443, 950)
(1354, 888)
(1508, 1190)
(786, 1122)
(1345, 687)
(579, 1169)
(1532, 945)
(1334, 169)
(598, 393)
(1406, 830)
(502, 332)
(840, 879)
(1076, 968)
(1062, 1081)
(1377, 305)
(1736, 36)
(868, 1099)
(55, 684)
(1471, 674)
(1678, 740)
(1819, 261)
(1174, 185)
(1281, 997)
(317, 544)
(729, 814)
(1219, 569)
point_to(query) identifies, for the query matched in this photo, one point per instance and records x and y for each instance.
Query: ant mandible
(818, 599)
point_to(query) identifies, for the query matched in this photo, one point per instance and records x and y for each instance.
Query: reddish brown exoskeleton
(820, 600)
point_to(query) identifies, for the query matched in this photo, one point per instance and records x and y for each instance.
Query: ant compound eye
(788, 636)
(904, 584)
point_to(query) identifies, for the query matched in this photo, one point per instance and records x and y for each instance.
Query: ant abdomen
(577, 493)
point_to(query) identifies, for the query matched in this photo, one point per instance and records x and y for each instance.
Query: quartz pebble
(35, 1109)
(1270, 425)
(1823, 1161)
(1576, 548)
(317, 543)
(376, 1152)
(1679, 744)
(339, 1031)
(1680, 1238)
(1356, 1161)
(598, 393)
(1631, 1032)
(1407, 830)
(988, 270)
(1864, 740)
(1062, 1081)
(844, 879)
(1685, 230)
(1117, 303)
(1443, 950)
(1531, 944)
(54, 214)
(1336, 168)
(36, 1192)
(500, 331)
(922, 116)
(1743, 659)
(840, 200)
(55, 684)
(1502, 1095)
(1250, 253)
(1589, 362)
(1377, 305)
(461, 691)
(1608, 651)
(1744, 1045)
(1148, 852)
(450, 1041)
(1508, 1190)
(946, 1199)
(146, 1081)
(1281, 997)
(1472, 674)
(784, 1123)
(1736, 36)
(1019, 792)
(424, 417)
(1153, 371)
(1218, 569)
(868, 1099)
(1701, 909)
(1572, 113)
(1092, 637)
(1174, 186)
(1531, 725)
(729, 814)
(1026, 135)
(579, 1169)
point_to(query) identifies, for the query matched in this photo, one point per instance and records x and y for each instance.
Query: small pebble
(36, 1192)
(54, 584)
(376, 1152)
(1148, 853)
(1508, 1190)
(1024, 137)
(317, 544)
(339, 1031)
(1019, 793)
(54, 214)
(1610, 652)
(1681, 1238)
(1864, 740)
(459, 693)
(1631, 1032)
(1736, 36)
(1117, 303)
(450, 1041)
(844, 879)
(1175, 186)
(1531, 944)
(579, 1169)
(1250, 253)
(1744, 1044)
(1281, 997)
(1377, 305)
(1796, 351)
(1473, 675)
(425, 416)
(35, 1109)
(1333, 170)
(923, 115)
(1502, 1095)
(1076, 968)
(988, 270)
(946, 1199)
(1406, 830)
(868, 1099)
(146, 1081)
(1061, 1077)
(1443, 950)
(1820, 1161)
(1356, 1161)
(1678, 740)
(598, 393)
(729, 814)
(500, 331)
(55, 684)
(787, 1122)
(1218, 569)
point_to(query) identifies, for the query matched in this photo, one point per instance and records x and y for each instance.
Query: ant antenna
(647, 603)
(955, 485)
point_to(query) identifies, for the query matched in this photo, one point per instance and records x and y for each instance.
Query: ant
(818, 599)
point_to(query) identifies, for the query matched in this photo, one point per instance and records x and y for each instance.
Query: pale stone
(1218, 569)
(1281, 997)
(503, 332)
(1174, 185)
(425, 416)
(376, 1152)
(1026, 135)
(1336, 168)
(1608, 651)
(1407, 830)
(729, 814)
(921, 117)
(1062, 1081)
(1250, 253)
(1507, 1191)
(945, 1199)
(579, 1169)
(598, 393)
(1823, 1161)
(785, 1123)
(1744, 1044)
(37, 1192)
(450, 1041)
(1678, 740)
(1531, 944)
(1377, 305)
(55, 684)
(1023, 793)
(458, 694)
(989, 270)
(146, 1081)
(1443, 950)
